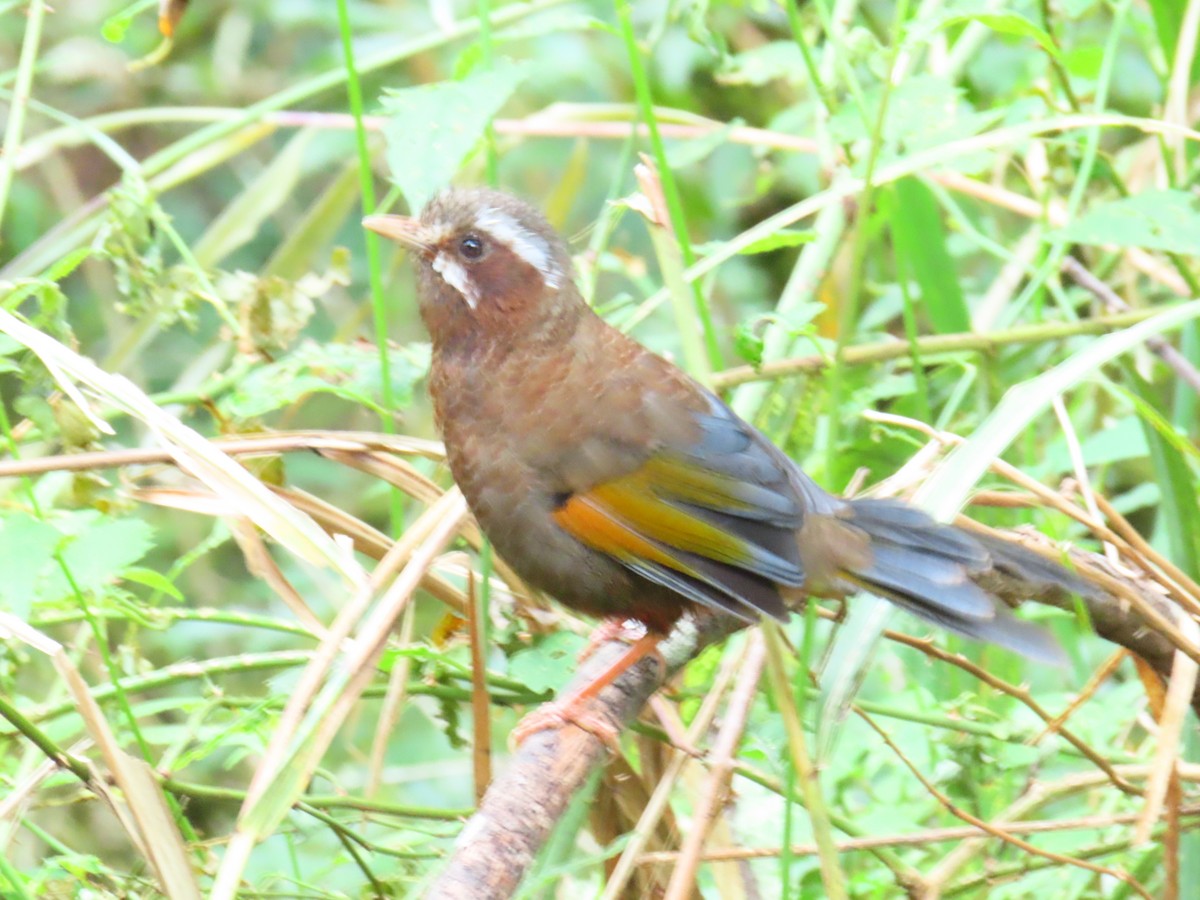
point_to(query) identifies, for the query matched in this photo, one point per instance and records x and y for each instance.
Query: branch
(521, 808)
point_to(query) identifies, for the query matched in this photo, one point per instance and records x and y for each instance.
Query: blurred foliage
(192, 226)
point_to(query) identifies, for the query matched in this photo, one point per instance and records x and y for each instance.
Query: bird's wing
(712, 516)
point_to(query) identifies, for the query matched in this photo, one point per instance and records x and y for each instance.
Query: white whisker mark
(456, 275)
(528, 245)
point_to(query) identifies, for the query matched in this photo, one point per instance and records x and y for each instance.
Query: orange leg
(626, 630)
(574, 708)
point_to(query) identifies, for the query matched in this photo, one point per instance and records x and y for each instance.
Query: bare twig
(721, 769)
(1160, 346)
(1180, 690)
(657, 803)
(481, 719)
(994, 831)
(500, 841)
(1097, 678)
(1024, 696)
(919, 839)
(929, 345)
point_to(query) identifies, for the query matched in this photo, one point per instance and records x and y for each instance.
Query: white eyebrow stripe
(456, 275)
(526, 244)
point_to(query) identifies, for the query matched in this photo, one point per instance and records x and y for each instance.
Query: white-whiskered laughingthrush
(608, 478)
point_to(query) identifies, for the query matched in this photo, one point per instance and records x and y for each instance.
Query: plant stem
(21, 92)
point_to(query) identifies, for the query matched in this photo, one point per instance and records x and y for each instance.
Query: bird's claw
(555, 715)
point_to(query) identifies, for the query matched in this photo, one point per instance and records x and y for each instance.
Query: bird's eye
(471, 247)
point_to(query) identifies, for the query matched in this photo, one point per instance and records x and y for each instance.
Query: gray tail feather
(927, 568)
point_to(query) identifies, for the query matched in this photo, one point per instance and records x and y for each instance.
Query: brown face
(480, 253)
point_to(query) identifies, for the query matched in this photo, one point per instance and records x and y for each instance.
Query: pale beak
(401, 229)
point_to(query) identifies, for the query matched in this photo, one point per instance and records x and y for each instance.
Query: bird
(613, 481)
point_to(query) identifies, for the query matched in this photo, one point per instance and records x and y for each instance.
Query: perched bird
(610, 479)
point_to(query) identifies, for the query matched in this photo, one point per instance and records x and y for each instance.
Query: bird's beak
(401, 229)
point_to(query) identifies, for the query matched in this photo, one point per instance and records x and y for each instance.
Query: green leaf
(96, 555)
(548, 665)
(759, 65)
(152, 579)
(1157, 220)
(1180, 510)
(1010, 23)
(431, 129)
(26, 548)
(1084, 62)
(68, 264)
(748, 342)
(1168, 22)
(920, 241)
(782, 239)
(114, 28)
(350, 371)
(787, 237)
(923, 111)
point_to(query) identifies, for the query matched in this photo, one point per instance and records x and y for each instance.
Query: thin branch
(721, 769)
(919, 839)
(931, 344)
(1158, 345)
(991, 829)
(500, 842)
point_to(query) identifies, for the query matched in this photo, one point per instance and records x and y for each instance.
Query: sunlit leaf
(1157, 220)
(350, 371)
(97, 554)
(432, 128)
(26, 549)
(549, 664)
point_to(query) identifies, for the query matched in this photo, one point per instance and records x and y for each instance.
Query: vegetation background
(883, 193)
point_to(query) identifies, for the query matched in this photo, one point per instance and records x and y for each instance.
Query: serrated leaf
(431, 129)
(351, 371)
(68, 264)
(96, 555)
(1156, 220)
(26, 549)
(548, 665)
(922, 111)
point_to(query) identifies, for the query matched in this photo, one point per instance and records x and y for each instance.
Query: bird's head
(485, 259)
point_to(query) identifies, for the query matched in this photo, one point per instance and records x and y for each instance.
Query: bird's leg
(628, 631)
(575, 707)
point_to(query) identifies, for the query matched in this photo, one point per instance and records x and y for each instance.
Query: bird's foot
(559, 713)
(627, 631)
(576, 707)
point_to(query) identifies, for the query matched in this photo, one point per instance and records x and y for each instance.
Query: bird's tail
(933, 570)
